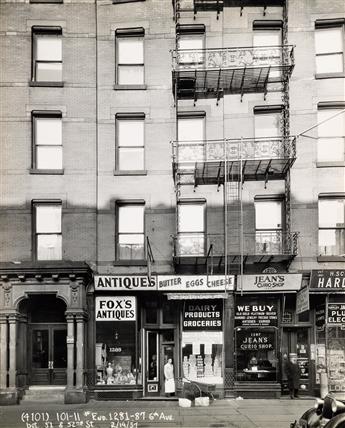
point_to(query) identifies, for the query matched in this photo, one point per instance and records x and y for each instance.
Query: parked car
(326, 413)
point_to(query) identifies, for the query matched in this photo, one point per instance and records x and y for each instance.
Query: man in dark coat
(293, 375)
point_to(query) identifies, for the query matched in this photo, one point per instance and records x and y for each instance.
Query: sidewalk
(144, 414)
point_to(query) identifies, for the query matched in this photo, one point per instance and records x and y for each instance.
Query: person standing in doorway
(169, 384)
(293, 375)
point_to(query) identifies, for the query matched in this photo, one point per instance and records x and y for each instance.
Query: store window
(268, 225)
(130, 231)
(202, 341)
(329, 46)
(47, 140)
(191, 228)
(47, 54)
(191, 136)
(47, 229)
(130, 139)
(331, 133)
(331, 225)
(116, 341)
(191, 44)
(130, 56)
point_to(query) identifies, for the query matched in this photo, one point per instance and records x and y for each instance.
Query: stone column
(80, 351)
(3, 352)
(70, 350)
(12, 348)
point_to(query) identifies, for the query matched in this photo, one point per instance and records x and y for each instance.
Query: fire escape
(213, 73)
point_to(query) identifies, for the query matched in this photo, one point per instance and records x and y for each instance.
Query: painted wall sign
(328, 280)
(302, 300)
(248, 313)
(203, 315)
(195, 282)
(273, 283)
(115, 308)
(336, 313)
(320, 317)
(122, 282)
(249, 340)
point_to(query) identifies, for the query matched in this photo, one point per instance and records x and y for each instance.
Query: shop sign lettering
(121, 282)
(274, 283)
(255, 340)
(328, 280)
(203, 316)
(249, 314)
(115, 308)
(302, 300)
(195, 282)
(320, 317)
(336, 313)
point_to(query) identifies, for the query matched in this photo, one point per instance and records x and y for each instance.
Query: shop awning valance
(192, 296)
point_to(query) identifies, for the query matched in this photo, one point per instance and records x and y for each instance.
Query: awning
(192, 296)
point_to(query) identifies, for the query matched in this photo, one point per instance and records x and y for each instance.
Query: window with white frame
(190, 43)
(47, 140)
(332, 225)
(48, 236)
(130, 56)
(191, 136)
(47, 54)
(191, 228)
(268, 225)
(329, 46)
(130, 231)
(267, 127)
(331, 133)
(130, 136)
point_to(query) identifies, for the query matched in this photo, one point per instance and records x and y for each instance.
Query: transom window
(331, 226)
(130, 231)
(130, 142)
(329, 47)
(130, 56)
(48, 236)
(331, 133)
(47, 54)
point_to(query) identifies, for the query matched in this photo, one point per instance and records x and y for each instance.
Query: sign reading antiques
(203, 315)
(302, 300)
(121, 282)
(336, 313)
(328, 280)
(276, 283)
(250, 314)
(249, 340)
(195, 282)
(115, 308)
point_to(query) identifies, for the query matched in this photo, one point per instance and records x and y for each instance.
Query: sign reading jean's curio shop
(122, 282)
(115, 308)
(263, 313)
(203, 315)
(336, 313)
(249, 340)
(328, 280)
(195, 282)
(279, 282)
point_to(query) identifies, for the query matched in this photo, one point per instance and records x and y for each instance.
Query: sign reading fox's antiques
(263, 313)
(336, 313)
(203, 315)
(115, 308)
(327, 280)
(122, 282)
(195, 282)
(279, 282)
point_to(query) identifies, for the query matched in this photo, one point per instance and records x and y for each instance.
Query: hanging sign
(122, 282)
(327, 280)
(273, 283)
(195, 282)
(263, 313)
(336, 313)
(302, 300)
(203, 315)
(320, 317)
(115, 308)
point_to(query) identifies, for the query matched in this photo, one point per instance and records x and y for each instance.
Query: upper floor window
(331, 225)
(329, 46)
(47, 229)
(47, 140)
(130, 231)
(267, 33)
(192, 39)
(130, 56)
(47, 54)
(267, 121)
(191, 136)
(130, 141)
(191, 228)
(268, 225)
(331, 133)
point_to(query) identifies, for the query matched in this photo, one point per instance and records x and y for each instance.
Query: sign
(249, 340)
(320, 317)
(302, 300)
(274, 283)
(248, 313)
(195, 282)
(203, 315)
(336, 313)
(121, 282)
(328, 280)
(115, 308)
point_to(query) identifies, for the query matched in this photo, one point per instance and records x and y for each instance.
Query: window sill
(131, 172)
(47, 171)
(130, 263)
(329, 75)
(47, 84)
(130, 87)
(330, 164)
(331, 258)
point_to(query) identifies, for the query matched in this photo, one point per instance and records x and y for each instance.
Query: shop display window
(202, 356)
(256, 358)
(336, 358)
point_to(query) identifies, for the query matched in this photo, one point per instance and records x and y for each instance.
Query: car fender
(337, 421)
(311, 417)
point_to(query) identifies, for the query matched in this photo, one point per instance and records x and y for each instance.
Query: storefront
(261, 340)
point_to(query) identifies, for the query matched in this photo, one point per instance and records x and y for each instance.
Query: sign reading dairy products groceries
(115, 308)
(195, 282)
(122, 282)
(279, 282)
(328, 280)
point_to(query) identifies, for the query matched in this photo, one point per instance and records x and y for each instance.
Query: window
(329, 46)
(332, 226)
(268, 224)
(191, 38)
(47, 140)
(130, 142)
(47, 54)
(130, 233)
(330, 144)
(130, 56)
(48, 237)
(191, 136)
(267, 125)
(191, 228)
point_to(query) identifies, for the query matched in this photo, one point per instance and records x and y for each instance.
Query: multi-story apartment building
(172, 186)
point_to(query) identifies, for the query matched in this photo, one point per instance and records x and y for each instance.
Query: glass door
(152, 363)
